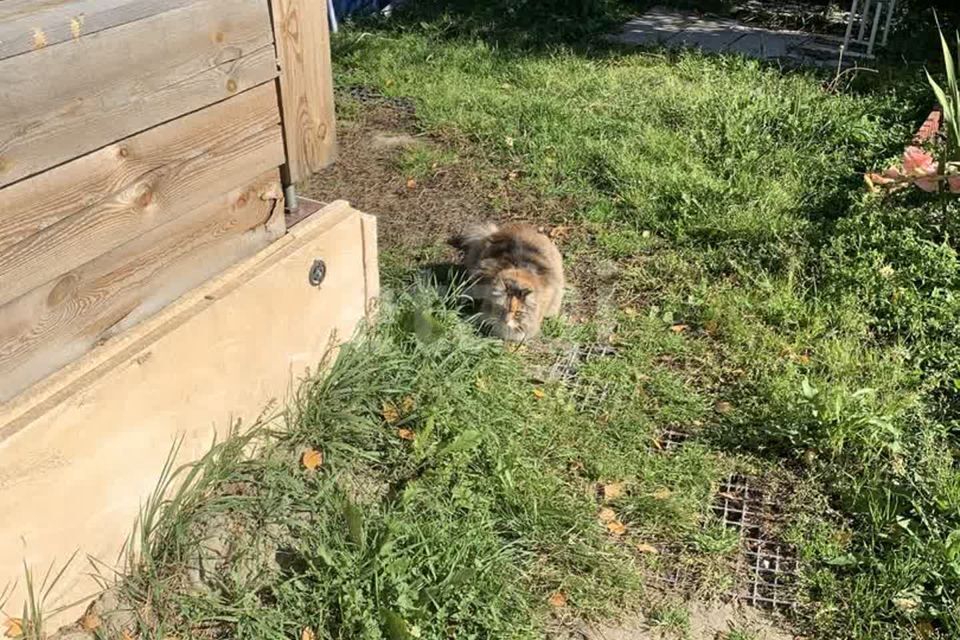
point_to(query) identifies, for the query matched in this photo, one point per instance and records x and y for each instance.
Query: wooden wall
(143, 146)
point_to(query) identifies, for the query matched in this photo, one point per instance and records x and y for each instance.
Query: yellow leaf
(407, 405)
(643, 547)
(607, 515)
(307, 634)
(538, 393)
(405, 434)
(612, 491)
(616, 528)
(662, 493)
(90, 622)
(390, 413)
(481, 384)
(722, 406)
(14, 627)
(311, 459)
(558, 600)
(679, 328)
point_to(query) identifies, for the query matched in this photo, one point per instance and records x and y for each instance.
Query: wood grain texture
(65, 100)
(83, 455)
(61, 320)
(63, 218)
(27, 25)
(306, 85)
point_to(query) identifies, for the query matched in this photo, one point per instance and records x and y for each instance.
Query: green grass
(728, 194)
(820, 353)
(472, 524)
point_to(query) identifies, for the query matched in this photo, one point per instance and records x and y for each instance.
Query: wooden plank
(27, 25)
(306, 85)
(88, 446)
(63, 101)
(134, 186)
(61, 320)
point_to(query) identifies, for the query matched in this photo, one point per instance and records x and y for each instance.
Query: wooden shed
(153, 284)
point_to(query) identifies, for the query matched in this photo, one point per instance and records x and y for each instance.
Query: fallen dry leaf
(407, 405)
(311, 459)
(90, 622)
(14, 628)
(126, 635)
(662, 493)
(612, 491)
(390, 413)
(679, 328)
(925, 629)
(617, 528)
(559, 233)
(307, 634)
(538, 393)
(643, 547)
(411, 183)
(405, 434)
(722, 406)
(558, 600)
(607, 515)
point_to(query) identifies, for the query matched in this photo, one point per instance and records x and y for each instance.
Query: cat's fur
(517, 276)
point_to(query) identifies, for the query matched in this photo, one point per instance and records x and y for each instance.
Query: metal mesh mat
(589, 395)
(670, 440)
(766, 567)
(369, 95)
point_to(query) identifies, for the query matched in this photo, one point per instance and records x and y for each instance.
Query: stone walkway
(677, 29)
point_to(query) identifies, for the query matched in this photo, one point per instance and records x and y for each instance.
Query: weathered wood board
(306, 85)
(27, 25)
(114, 83)
(82, 449)
(61, 320)
(65, 217)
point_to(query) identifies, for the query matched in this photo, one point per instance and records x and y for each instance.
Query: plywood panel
(306, 85)
(124, 190)
(81, 451)
(65, 100)
(27, 25)
(61, 320)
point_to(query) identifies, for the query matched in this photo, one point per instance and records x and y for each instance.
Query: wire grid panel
(766, 567)
(589, 395)
(369, 95)
(670, 440)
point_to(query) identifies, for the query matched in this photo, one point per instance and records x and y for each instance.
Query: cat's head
(511, 305)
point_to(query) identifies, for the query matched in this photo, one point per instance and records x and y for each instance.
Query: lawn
(753, 298)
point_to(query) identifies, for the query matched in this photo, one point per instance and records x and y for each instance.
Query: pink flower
(954, 182)
(918, 163)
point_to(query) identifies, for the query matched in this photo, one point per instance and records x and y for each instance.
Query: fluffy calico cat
(517, 274)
